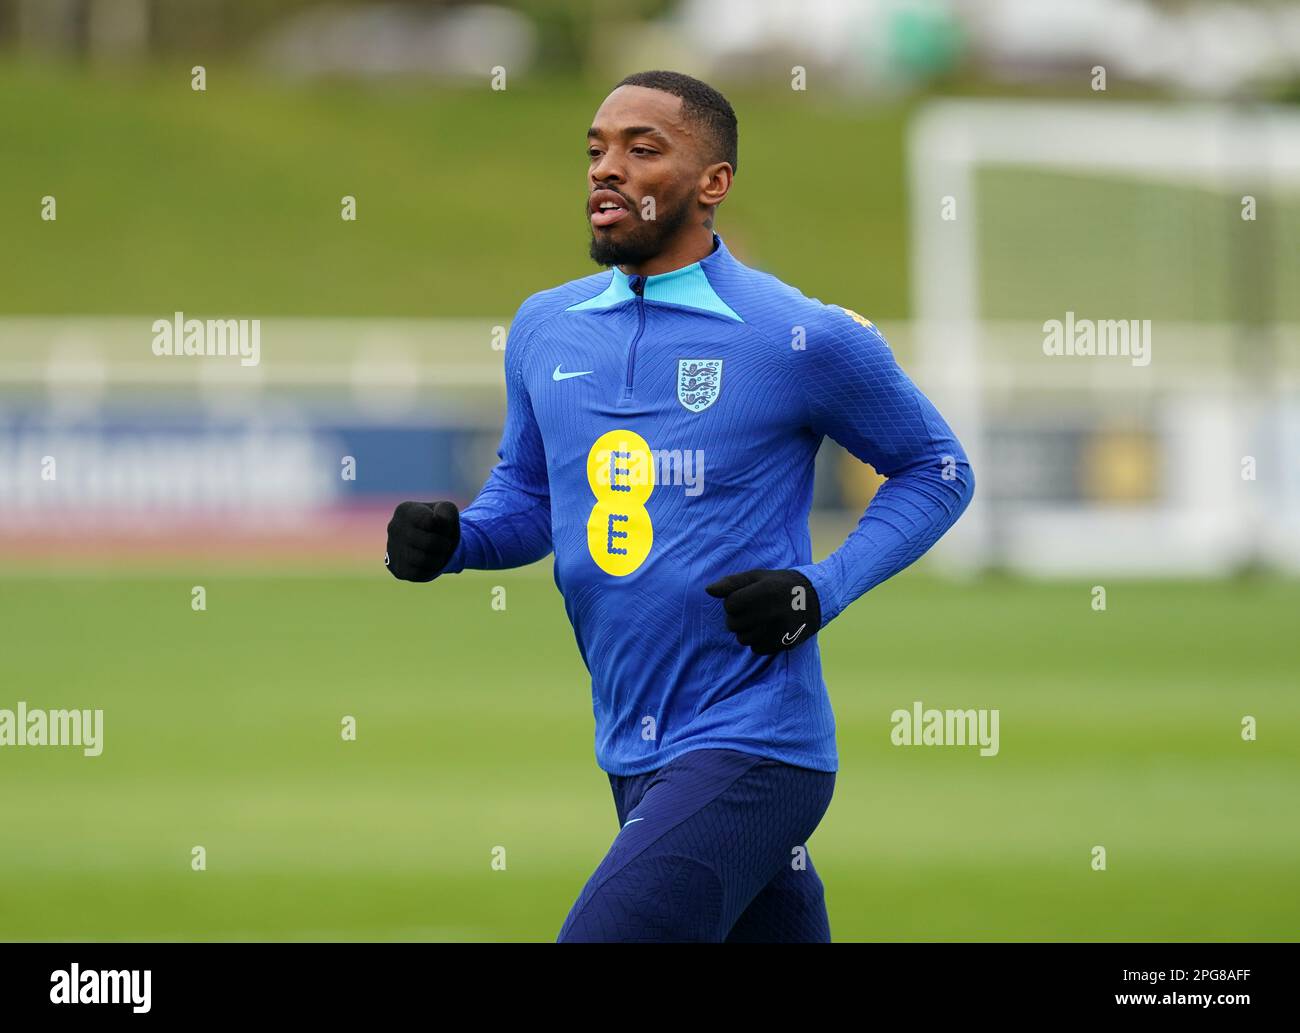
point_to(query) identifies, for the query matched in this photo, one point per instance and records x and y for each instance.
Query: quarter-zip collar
(690, 286)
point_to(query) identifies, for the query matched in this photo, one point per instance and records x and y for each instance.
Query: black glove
(421, 538)
(767, 609)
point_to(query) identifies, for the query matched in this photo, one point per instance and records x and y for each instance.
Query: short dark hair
(701, 103)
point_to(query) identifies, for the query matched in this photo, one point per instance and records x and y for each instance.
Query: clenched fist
(421, 538)
(769, 610)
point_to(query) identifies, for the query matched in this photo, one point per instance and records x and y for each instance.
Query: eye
(593, 152)
(643, 150)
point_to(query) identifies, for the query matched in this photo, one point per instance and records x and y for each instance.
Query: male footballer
(662, 418)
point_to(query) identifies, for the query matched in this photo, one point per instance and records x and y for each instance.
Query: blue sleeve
(857, 395)
(509, 522)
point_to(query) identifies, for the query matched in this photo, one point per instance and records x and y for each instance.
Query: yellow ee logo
(620, 470)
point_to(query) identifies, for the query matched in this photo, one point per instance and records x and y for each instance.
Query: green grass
(468, 200)
(227, 202)
(1118, 729)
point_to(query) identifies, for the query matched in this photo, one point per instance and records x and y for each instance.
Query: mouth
(606, 207)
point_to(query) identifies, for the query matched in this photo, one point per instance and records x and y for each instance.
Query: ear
(715, 182)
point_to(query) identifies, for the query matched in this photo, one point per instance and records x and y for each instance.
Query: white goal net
(1107, 307)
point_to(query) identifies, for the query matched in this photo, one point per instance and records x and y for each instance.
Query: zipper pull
(637, 283)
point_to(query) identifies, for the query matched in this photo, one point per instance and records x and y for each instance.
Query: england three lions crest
(698, 382)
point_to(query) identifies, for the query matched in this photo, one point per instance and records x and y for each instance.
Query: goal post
(1105, 308)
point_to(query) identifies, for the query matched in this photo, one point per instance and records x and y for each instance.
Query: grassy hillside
(468, 201)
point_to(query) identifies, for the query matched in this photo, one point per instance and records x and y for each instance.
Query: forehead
(641, 106)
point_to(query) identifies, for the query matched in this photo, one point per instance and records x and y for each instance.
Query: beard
(641, 243)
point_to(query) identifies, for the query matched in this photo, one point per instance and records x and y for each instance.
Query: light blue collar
(688, 286)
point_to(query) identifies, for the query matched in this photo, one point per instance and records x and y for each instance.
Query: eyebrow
(632, 131)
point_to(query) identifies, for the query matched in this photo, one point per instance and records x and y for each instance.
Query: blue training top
(660, 433)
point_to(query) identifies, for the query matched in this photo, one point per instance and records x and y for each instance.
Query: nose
(607, 169)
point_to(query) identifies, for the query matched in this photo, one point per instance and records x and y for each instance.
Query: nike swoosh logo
(788, 640)
(557, 375)
(630, 820)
